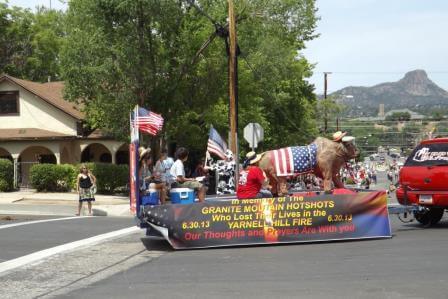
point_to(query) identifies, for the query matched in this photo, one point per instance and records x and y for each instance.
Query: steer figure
(323, 157)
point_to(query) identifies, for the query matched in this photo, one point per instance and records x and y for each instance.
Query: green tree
(328, 109)
(437, 115)
(121, 53)
(15, 31)
(399, 116)
(30, 42)
(47, 37)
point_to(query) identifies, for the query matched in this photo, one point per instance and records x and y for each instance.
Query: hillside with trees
(415, 91)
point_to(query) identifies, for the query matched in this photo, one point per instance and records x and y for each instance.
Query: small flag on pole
(216, 144)
(147, 121)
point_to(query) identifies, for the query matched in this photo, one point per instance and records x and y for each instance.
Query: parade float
(289, 216)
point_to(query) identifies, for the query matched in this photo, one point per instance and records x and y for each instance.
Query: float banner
(293, 219)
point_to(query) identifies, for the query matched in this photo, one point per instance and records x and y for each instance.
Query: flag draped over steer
(295, 159)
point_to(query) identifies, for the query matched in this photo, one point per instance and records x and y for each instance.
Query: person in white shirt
(163, 167)
(178, 179)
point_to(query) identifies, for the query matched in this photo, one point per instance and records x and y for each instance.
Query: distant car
(423, 180)
(382, 158)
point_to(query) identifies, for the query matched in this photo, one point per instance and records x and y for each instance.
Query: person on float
(178, 179)
(143, 153)
(252, 179)
(162, 168)
(148, 179)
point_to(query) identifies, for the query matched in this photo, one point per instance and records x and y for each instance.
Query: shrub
(52, 177)
(6, 175)
(66, 174)
(110, 177)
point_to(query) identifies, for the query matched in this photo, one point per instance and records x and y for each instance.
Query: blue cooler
(151, 197)
(182, 195)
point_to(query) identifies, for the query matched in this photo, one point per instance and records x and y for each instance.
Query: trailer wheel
(429, 216)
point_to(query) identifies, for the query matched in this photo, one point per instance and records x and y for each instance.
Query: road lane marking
(39, 255)
(41, 221)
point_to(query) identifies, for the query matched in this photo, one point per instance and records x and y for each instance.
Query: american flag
(147, 121)
(293, 160)
(215, 144)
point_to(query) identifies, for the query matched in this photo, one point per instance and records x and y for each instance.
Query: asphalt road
(10, 219)
(25, 239)
(412, 264)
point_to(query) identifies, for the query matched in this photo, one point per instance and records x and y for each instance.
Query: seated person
(148, 180)
(178, 179)
(163, 166)
(252, 179)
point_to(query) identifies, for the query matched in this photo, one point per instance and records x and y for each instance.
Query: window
(9, 103)
(429, 154)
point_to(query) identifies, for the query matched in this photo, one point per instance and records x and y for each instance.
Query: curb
(64, 210)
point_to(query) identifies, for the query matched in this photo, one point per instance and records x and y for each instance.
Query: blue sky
(56, 4)
(366, 42)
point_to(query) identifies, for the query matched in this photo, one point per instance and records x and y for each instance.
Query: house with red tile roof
(38, 126)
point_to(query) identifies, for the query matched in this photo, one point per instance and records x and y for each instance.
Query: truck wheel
(429, 216)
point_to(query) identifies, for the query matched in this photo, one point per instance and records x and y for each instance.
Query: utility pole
(325, 83)
(233, 88)
(233, 79)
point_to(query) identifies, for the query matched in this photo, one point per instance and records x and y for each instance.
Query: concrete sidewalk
(28, 202)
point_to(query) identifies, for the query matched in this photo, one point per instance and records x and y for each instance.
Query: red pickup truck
(423, 180)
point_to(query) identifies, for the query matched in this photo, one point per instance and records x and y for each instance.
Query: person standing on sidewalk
(85, 185)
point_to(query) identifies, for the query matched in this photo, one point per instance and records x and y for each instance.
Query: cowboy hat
(338, 136)
(253, 157)
(142, 152)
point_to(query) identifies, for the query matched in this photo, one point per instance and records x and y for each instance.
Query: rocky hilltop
(415, 91)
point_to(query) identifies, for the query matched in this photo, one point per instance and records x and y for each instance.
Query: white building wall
(36, 113)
